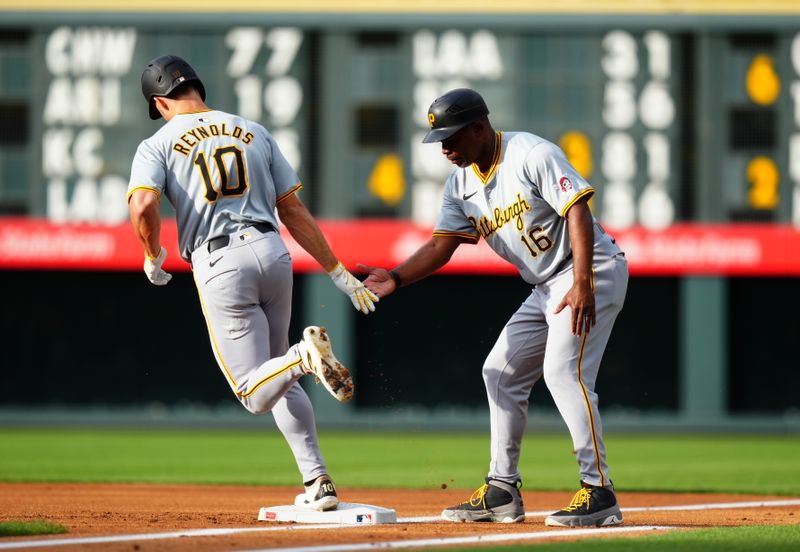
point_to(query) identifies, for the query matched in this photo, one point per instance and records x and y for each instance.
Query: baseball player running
(225, 177)
(519, 193)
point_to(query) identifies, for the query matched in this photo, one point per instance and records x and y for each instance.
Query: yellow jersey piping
(270, 377)
(591, 415)
(146, 188)
(194, 112)
(584, 193)
(469, 237)
(213, 339)
(294, 189)
(495, 162)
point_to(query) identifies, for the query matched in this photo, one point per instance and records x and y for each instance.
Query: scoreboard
(673, 121)
(670, 126)
(683, 114)
(89, 113)
(608, 99)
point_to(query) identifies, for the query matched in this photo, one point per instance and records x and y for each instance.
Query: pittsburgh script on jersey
(200, 133)
(513, 212)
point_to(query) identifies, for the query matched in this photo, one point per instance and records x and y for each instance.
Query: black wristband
(396, 277)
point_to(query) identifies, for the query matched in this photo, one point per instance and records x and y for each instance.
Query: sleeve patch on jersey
(565, 184)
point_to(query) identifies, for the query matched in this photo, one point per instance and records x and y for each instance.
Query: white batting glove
(362, 298)
(152, 268)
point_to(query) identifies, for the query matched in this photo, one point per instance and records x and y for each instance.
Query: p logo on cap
(453, 111)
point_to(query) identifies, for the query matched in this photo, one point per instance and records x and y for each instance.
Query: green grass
(773, 538)
(703, 463)
(20, 528)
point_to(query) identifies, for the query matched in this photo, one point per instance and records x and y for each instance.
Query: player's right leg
(511, 369)
(495, 500)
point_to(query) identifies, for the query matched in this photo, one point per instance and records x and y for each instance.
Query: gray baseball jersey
(519, 208)
(224, 175)
(205, 163)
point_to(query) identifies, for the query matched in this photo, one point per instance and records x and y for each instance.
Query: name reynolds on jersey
(200, 133)
(513, 212)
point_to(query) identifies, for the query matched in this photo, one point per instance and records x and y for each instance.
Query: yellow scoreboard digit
(750, 110)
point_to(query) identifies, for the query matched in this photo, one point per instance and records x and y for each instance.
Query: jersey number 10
(225, 188)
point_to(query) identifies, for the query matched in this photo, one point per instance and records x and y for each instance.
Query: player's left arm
(580, 297)
(143, 205)
(304, 229)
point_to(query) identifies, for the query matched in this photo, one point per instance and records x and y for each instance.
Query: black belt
(563, 264)
(222, 241)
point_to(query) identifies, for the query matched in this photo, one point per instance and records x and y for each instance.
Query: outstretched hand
(379, 281)
(361, 297)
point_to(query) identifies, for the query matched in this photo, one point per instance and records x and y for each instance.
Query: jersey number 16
(539, 243)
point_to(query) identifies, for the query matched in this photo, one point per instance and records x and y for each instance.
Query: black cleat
(591, 506)
(495, 501)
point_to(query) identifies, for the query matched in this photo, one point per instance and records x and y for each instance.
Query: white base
(346, 513)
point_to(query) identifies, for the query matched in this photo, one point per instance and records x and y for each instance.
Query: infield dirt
(95, 510)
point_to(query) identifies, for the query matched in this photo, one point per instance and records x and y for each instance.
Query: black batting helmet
(450, 113)
(163, 75)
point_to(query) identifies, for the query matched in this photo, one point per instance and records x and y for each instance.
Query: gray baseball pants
(245, 291)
